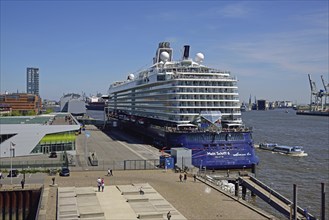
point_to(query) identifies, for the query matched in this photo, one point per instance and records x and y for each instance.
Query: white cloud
(235, 10)
(300, 51)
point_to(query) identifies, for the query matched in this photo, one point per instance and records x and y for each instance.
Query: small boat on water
(289, 150)
(267, 146)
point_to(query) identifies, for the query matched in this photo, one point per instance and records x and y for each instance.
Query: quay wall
(19, 204)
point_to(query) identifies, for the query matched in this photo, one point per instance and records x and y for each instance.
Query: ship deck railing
(173, 129)
(180, 75)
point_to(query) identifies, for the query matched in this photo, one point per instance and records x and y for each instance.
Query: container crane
(316, 96)
(326, 93)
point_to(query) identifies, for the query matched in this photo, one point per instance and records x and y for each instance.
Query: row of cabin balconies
(177, 96)
(184, 89)
(175, 116)
(188, 104)
(186, 110)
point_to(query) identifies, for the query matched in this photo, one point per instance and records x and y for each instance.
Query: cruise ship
(185, 104)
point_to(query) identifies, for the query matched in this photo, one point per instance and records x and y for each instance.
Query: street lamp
(87, 134)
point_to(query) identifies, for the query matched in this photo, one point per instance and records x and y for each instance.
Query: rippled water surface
(281, 171)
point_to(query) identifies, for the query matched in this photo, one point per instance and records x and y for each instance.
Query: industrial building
(21, 102)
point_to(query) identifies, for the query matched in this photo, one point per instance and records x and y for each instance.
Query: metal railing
(44, 164)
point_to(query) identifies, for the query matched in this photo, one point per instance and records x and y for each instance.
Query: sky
(84, 46)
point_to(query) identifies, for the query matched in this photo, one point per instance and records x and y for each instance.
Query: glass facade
(56, 142)
(32, 81)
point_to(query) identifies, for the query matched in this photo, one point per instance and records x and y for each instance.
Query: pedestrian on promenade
(180, 177)
(169, 215)
(228, 173)
(141, 191)
(99, 182)
(109, 172)
(194, 177)
(1, 175)
(185, 177)
(103, 184)
(22, 183)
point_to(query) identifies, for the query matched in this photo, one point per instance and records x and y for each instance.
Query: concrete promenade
(194, 200)
(189, 200)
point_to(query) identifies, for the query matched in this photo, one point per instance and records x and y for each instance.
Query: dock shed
(182, 157)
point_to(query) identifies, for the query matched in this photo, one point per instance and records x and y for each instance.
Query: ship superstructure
(186, 104)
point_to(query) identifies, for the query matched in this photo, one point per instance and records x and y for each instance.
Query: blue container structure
(167, 162)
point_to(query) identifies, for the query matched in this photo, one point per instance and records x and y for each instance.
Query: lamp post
(86, 151)
(12, 153)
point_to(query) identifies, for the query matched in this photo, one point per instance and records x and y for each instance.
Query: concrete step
(94, 218)
(68, 216)
(93, 215)
(136, 198)
(136, 192)
(150, 215)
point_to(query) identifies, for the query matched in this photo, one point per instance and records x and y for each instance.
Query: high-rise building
(32, 80)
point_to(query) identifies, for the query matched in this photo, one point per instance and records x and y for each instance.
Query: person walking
(169, 215)
(0, 175)
(185, 177)
(109, 172)
(102, 184)
(22, 183)
(180, 177)
(99, 182)
(194, 177)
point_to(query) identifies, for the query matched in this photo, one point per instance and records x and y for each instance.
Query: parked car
(64, 171)
(53, 154)
(13, 173)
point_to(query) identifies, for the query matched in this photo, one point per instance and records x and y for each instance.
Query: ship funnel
(186, 52)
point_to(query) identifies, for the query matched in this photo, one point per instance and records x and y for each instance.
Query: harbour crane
(326, 94)
(316, 103)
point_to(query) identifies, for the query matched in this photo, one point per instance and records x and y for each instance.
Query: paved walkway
(194, 200)
(116, 202)
(190, 200)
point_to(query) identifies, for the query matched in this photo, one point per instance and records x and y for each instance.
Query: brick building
(22, 102)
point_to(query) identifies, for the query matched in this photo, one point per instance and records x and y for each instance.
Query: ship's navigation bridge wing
(211, 116)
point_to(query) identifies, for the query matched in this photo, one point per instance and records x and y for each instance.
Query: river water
(282, 171)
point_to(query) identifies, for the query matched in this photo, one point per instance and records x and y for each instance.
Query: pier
(244, 181)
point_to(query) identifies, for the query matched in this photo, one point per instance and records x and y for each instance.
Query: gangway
(273, 198)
